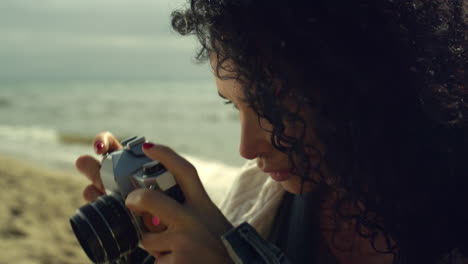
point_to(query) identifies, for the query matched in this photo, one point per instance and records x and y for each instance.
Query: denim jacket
(246, 246)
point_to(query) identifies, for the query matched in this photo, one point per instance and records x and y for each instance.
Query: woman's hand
(193, 229)
(103, 143)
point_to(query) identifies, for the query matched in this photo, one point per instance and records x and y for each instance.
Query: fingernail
(98, 146)
(155, 220)
(148, 145)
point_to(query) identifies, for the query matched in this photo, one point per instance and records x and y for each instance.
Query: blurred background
(70, 69)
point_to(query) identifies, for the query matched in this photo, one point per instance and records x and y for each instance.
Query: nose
(254, 140)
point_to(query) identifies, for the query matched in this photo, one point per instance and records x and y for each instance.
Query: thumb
(184, 172)
(105, 142)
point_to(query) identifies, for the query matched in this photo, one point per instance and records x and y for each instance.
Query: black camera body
(105, 228)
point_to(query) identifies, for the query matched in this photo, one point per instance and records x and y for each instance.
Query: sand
(37, 205)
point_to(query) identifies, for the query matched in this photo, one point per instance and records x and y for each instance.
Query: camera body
(106, 230)
(128, 169)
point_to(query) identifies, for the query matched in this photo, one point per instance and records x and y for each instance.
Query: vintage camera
(106, 230)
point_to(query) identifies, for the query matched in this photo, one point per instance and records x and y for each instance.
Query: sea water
(61, 63)
(53, 122)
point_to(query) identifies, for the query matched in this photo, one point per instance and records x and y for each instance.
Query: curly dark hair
(386, 80)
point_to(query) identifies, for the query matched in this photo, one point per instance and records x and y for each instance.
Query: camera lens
(104, 229)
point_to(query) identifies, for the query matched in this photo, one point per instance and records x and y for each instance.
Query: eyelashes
(231, 103)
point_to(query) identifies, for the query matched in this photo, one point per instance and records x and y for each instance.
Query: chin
(293, 185)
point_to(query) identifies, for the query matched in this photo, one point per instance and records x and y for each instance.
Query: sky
(94, 39)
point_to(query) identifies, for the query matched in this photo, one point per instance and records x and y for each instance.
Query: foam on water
(38, 144)
(53, 123)
(29, 133)
(43, 146)
(188, 116)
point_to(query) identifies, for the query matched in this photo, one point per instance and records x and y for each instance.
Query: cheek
(306, 131)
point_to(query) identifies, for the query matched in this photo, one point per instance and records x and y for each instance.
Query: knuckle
(189, 167)
(81, 161)
(170, 156)
(143, 196)
(137, 198)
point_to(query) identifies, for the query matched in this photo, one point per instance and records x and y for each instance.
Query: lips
(278, 175)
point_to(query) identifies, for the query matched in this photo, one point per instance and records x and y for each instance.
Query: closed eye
(233, 104)
(228, 102)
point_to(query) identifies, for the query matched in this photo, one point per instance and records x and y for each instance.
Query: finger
(156, 203)
(153, 224)
(91, 193)
(184, 172)
(158, 243)
(90, 167)
(105, 142)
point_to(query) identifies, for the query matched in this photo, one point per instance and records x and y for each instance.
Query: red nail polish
(148, 145)
(155, 220)
(98, 146)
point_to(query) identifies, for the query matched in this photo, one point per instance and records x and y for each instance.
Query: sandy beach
(37, 203)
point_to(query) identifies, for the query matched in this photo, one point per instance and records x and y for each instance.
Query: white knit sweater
(254, 197)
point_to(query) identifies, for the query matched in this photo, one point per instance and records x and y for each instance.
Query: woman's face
(255, 142)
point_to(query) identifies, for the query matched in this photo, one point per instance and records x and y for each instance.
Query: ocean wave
(45, 135)
(78, 139)
(52, 149)
(28, 133)
(67, 139)
(39, 136)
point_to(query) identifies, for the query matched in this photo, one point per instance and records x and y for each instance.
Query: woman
(357, 109)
